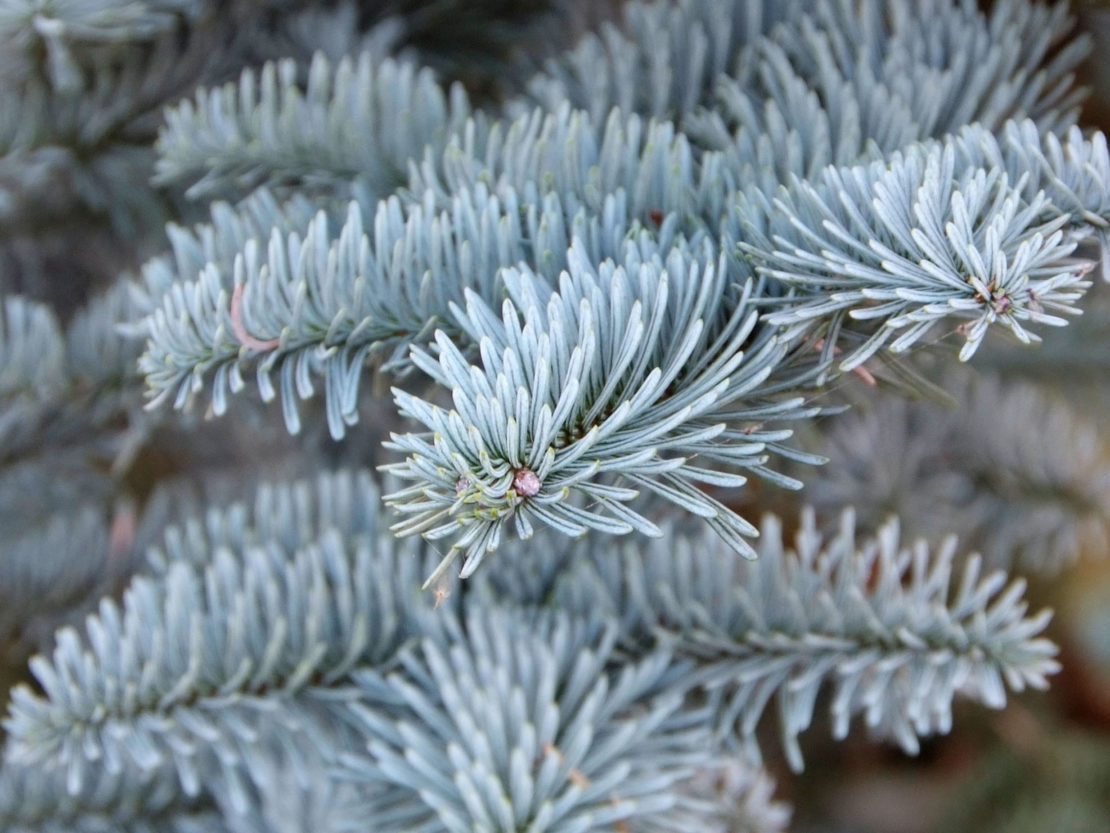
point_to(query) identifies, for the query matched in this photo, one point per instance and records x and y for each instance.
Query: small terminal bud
(526, 483)
(462, 484)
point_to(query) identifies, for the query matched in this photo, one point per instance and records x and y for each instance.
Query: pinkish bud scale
(526, 483)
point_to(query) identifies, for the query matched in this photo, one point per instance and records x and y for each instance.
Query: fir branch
(1073, 170)
(1070, 361)
(290, 516)
(849, 81)
(67, 393)
(206, 249)
(292, 794)
(67, 389)
(354, 120)
(332, 301)
(891, 631)
(48, 572)
(521, 725)
(1017, 474)
(84, 148)
(219, 239)
(661, 62)
(623, 322)
(202, 663)
(27, 23)
(32, 350)
(733, 795)
(914, 240)
(36, 800)
(585, 160)
(98, 356)
(66, 36)
(626, 370)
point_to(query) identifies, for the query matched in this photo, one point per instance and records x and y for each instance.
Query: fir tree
(586, 289)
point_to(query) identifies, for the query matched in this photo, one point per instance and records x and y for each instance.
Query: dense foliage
(586, 289)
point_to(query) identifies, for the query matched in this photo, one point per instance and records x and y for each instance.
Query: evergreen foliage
(358, 119)
(1030, 489)
(193, 653)
(875, 620)
(225, 644)
(592, 302)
